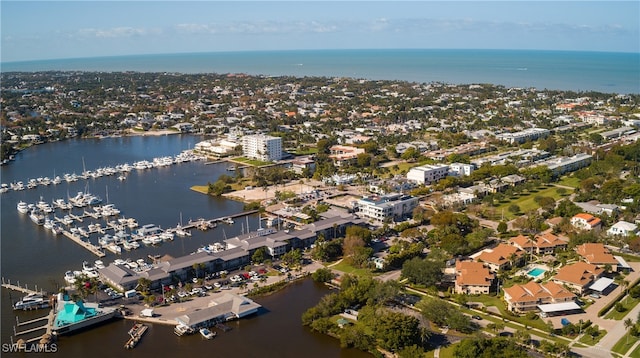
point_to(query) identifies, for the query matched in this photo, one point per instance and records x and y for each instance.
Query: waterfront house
(527, 297)
(578, 276)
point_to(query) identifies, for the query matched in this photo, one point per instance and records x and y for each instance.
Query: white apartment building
(262, 147)
(460, 169)
(428, 174)
(386, 207)
(524, 135)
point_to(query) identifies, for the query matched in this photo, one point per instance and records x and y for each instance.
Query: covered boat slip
(554, 309)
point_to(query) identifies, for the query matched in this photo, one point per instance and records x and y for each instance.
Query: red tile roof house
(578, 276)
(527, 297)
(586, 221)
(499, 258)
(542, 244)
(472, 278)
(597, 254)
(548, 243)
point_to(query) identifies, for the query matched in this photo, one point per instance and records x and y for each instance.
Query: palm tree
(628, 323)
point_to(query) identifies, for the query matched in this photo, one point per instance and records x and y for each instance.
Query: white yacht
(31, 301)
(87, 267)
(99, 264)
(167, 236)
(70, 277)
(23, 207)
(4, 188)
(56, 229)
(116, 249)
(37, 217)
(48, 223)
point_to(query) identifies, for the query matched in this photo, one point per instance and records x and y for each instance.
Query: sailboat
(180, 231)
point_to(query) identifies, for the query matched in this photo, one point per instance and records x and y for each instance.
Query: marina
(136, 198)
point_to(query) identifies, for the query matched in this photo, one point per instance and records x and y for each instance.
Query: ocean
(554, 70)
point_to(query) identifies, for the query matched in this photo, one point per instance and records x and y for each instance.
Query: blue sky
(34, 30)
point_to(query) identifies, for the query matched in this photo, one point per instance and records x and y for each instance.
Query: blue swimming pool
(536, 272)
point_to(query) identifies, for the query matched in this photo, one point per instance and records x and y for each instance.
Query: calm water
(158, 196)
(560, 70)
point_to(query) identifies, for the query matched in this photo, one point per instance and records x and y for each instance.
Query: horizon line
(315, 50)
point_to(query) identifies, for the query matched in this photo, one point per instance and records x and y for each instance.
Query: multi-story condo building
(524, 135)
(428, 174)
(262, 147)
(386, 207)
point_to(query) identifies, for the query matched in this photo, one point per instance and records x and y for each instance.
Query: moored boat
(206, 333)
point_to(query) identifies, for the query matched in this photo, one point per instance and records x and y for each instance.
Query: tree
(628, 323)
(423, 271)
(322, 275)
(259, 255)
(502, 227)
(395, 330)
(144, 284)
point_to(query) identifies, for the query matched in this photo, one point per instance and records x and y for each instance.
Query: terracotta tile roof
(522, 241)
(588, 218)
(549, 240)
(500, 254)
(534, 291)
(472, 273)
(596, 253)
(580, 273)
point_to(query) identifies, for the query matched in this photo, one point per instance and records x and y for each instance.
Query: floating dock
(8, 285)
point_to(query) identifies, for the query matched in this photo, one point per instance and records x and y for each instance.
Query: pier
(17, 287)
(196, 224)
(78, 240)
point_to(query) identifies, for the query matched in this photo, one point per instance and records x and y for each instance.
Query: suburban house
(584, 221)
(527, 297)
(597, 254)
(578, 276)
(623, 228)
(473, 278)
(500, 257)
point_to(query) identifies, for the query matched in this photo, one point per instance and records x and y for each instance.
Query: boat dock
(17, 287)
(78, 240)
(198, 223)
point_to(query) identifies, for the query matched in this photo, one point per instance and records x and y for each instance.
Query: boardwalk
(194, 224)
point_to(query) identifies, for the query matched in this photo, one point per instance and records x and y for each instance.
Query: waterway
(31, 255)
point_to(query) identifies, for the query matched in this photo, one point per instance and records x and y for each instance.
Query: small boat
(122, 177)
(56, 229)
(182, 329)
(167, 236)
(206, 333)
(4, 188)
(136, 333)
(37, 217)
(99, 264)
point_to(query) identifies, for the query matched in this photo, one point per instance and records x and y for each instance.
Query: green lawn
(526, 202)
(628, 302)
(636, 352)
(570, 181)
(346, 268)
(587, 339)
(446, 352)
(253, 162)
(622, 347)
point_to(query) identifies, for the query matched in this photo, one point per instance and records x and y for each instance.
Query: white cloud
(116, 32)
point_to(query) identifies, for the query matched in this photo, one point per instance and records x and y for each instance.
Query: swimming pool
(536, 272)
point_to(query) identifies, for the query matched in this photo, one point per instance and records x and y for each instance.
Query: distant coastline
(608, 72)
